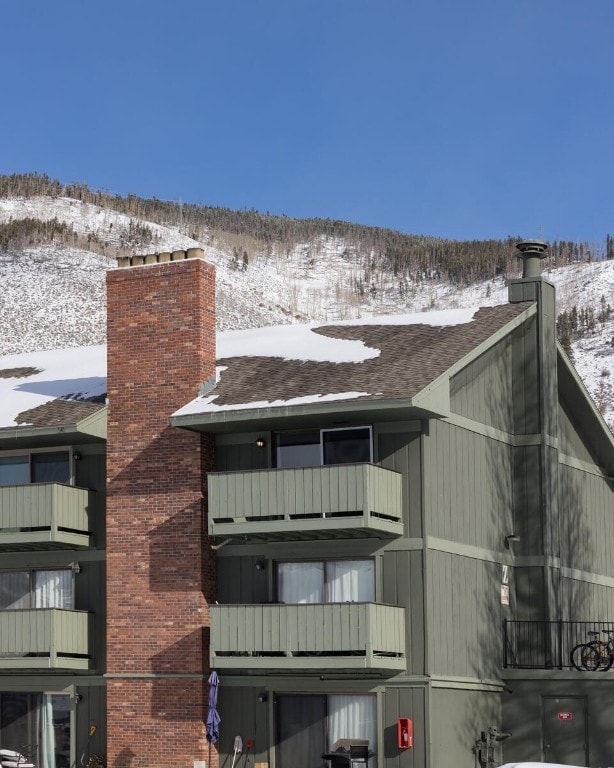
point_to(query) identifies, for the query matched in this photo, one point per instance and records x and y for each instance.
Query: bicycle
(595, 654)
(605, 650)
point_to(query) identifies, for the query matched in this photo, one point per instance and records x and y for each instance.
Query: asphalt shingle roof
(411, 357)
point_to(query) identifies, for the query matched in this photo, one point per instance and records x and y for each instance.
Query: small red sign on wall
(565, 715)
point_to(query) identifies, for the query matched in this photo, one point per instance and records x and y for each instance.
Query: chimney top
(531, 253)
(160, 258)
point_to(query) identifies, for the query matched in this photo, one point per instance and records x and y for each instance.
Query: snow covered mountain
(52, 294)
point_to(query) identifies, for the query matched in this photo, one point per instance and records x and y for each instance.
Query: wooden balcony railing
(360, 499)
(44, 514)
(44, 638)
(310, 636)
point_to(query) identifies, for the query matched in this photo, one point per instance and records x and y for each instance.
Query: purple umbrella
(213, 717)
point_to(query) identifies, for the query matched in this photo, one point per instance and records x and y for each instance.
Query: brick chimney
(160, 569)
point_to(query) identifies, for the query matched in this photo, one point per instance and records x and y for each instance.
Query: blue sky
(462, 120)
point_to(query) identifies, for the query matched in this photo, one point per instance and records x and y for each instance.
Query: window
(308, 726)
(43, 467)
(328, 581)
(346, 446)
(41, 720)
(311, 448)
(298, 449)
(22, 590)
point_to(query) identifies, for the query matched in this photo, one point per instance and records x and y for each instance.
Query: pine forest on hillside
(273, 269)
(417, 256)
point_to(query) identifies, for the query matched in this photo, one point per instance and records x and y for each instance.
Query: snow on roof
(285, 366)
(35, 378)
(299, 342)
(207, 404)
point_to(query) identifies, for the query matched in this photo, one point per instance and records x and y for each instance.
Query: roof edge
(94, 425)
(432, 392)
(215, 422)
(605, 439)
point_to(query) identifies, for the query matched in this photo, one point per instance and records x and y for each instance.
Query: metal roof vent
(531, 253)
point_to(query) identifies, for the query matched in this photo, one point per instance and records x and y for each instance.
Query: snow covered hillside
(53, 295)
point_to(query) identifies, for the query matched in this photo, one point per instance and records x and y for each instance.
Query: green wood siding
(404, 702)
(90, 595)
(347, 496)
(242, 456)
(585, 601)
(587, 504)
(457, 719)
(44, 638)
(468, 486)
(91, 473)
(403, 584)
(529, 593)
(314, 636)
(526, 379)
(571, 442)
(239, 581)
(483, 390)
(528, 507)
(401, 452)
(464, 616)
(243, 714)
(49, 506)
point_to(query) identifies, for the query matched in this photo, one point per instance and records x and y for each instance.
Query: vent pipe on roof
(531, 253)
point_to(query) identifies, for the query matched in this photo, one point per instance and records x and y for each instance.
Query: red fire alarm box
(405, 733)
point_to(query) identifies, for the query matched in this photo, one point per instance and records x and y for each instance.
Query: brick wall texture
(160, 567)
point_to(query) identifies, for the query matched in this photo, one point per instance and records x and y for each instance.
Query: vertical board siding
(463, 605)
(91, 473)
(401, 452)
(468, 486)
(45, 505)
(307, 628)
(586, 504)
(483, 390)
(403, 585)
(583, 601)
(404, 702)
(571, 442)
(43, 631)
(306, 492)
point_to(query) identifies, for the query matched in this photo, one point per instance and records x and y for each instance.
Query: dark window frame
(321, 432)
(31, 456)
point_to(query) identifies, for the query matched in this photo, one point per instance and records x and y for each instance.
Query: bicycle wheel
(591, 656)
(577, 655)
(607, 657)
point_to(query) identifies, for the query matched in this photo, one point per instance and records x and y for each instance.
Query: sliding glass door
(301, 731)
(21, 590)
(37, 725)
(309, 726)
(327, 581)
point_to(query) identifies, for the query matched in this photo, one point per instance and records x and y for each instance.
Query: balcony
(350, 500)
(44, 638)
(308, 637)
(548, 644)
(43, 516)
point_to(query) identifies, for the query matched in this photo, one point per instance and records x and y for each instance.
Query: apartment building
(388, 532)
(52, 555)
